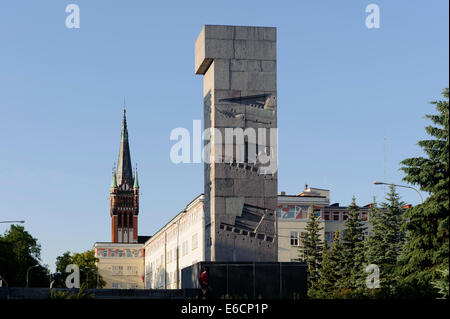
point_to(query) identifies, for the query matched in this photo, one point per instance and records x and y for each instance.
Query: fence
(267, 280)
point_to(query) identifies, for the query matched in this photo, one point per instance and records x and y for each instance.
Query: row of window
(298, 212)
(119, 253)
(296, 238)
(342, 216)
(118, 270)
(172, 253)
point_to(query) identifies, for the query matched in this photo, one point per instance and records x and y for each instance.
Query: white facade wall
(178, 244)
(121, 265)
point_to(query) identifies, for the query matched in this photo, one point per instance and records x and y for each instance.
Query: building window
(302, 238)
(184, 249)
(117, 270)
(105, 253)
(194, 241)
(364, 216)
(328, 237)
(294, 238)
(326, 215)
(336, 216)
(344, 215)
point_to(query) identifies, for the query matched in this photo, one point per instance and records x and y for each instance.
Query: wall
(178, 244)
(121, 265)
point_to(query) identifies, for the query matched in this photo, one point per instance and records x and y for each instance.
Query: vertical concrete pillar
(238, 65)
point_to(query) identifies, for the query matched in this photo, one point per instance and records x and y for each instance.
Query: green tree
(441, 282)
(384, 244)
(19, 250)
(426, 249)
(352, 257)
(311, 248)
(328, 274)
(81, 294)
(86, 261)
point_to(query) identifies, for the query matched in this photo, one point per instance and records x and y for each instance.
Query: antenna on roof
(384, 164)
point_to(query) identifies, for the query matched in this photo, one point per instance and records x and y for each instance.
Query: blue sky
(342, 88)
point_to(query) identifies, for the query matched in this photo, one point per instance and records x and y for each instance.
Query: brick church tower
(124, 195)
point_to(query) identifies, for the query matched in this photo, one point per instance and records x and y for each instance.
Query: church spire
(124, 170)
(136, 181)
(114, 178)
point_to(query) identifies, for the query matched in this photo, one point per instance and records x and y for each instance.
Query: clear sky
(342, 88)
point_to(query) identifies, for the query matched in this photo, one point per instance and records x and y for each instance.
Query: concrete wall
(238, 65)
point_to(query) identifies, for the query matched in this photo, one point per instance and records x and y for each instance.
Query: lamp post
(12, 221)
(396, 185)
(28, 270)
(178, 251)
(87, 269)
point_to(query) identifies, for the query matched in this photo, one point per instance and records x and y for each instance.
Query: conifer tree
(352, 256)
(311, 248)
(384, 244)
(426, 249)
(329, 274)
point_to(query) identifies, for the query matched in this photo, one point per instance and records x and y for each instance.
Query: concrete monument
(239, 87)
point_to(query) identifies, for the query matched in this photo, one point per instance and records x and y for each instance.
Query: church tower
(124, 194)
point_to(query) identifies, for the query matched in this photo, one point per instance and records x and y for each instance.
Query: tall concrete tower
(124, 195)
(238, 65)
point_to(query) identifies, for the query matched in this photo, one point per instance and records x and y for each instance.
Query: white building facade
(121, 265)
(180, 243)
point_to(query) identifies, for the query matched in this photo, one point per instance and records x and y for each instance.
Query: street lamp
(12, 221)
(29, 268)
(87, 269)
(396, 185)
(178, 250)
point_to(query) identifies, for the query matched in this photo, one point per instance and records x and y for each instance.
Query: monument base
(253, 280)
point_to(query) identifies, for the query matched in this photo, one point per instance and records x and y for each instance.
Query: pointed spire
(136, 181)
(124, 133)
(124, 170)
(114, 179)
